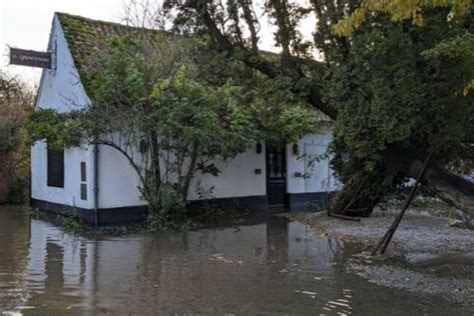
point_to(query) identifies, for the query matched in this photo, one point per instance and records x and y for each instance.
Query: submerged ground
(269, 265)
(430, 254)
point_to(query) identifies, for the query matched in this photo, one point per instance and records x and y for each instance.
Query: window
(84, 191)
(83, 179)
(55, 168)
(83, 172)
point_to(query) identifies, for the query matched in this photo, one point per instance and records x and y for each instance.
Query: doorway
(276, 177)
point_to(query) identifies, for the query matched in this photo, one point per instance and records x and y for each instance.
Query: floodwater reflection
(267, 265)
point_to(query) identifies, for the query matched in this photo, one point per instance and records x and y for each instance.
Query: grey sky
(27, 23)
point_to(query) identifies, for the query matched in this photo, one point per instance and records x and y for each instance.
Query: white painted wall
(237, 178)
(60, 89)
(321, 177)
(118, 181)
(70, 194)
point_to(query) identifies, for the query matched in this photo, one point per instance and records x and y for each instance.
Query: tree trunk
(356, 198)
(4, 188)
(190, 171)
(155, 160)
(454, 190)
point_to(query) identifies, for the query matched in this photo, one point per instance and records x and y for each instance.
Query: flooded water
(265, 266)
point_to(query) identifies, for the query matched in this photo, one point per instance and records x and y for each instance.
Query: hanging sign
(30, 58)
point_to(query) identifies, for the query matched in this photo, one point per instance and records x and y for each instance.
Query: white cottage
(99, 182)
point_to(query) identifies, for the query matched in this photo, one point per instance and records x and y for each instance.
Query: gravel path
(418, 231)
(426, 256)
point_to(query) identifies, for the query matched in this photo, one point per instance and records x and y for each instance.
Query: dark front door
(276, 177)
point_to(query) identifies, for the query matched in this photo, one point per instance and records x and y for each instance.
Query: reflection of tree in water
(209, 270)
(175, 268)
(14, 237)
(267, 266)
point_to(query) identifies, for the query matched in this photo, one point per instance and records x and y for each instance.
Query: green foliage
(71, 221)
(15, 100)
(454, 45)
(399, 10)
(282, 116)
(393, 89)
(377, 100)
(170, 215)
(60, 129)
(19, 189)
(206, 116)
(460, 48)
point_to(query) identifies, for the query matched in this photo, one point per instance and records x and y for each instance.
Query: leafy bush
(19, 189)
(71, 221)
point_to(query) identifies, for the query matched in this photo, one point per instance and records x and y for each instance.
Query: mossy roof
(86, 37)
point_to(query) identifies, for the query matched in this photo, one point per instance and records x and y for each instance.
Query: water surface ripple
(264, 266)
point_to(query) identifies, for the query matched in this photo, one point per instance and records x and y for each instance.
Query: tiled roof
(86, 37)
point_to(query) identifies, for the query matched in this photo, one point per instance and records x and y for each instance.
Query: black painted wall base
(308, 202)
(255, 204)
(104, 215)
(139, 213)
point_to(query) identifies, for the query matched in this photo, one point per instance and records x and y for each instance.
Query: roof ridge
(90, 20)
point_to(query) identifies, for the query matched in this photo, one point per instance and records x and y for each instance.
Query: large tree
(397, 91)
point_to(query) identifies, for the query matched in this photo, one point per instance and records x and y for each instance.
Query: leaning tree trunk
(351, 200)
(452, 189)
(360, 194)
(358, 197)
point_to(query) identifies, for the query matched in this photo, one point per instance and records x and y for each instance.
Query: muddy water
(267, 266)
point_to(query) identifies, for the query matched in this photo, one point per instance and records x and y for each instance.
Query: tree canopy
(15, 101)
(396, 89)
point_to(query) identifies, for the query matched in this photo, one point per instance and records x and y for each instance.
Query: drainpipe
(30, 195)
(96, 183)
